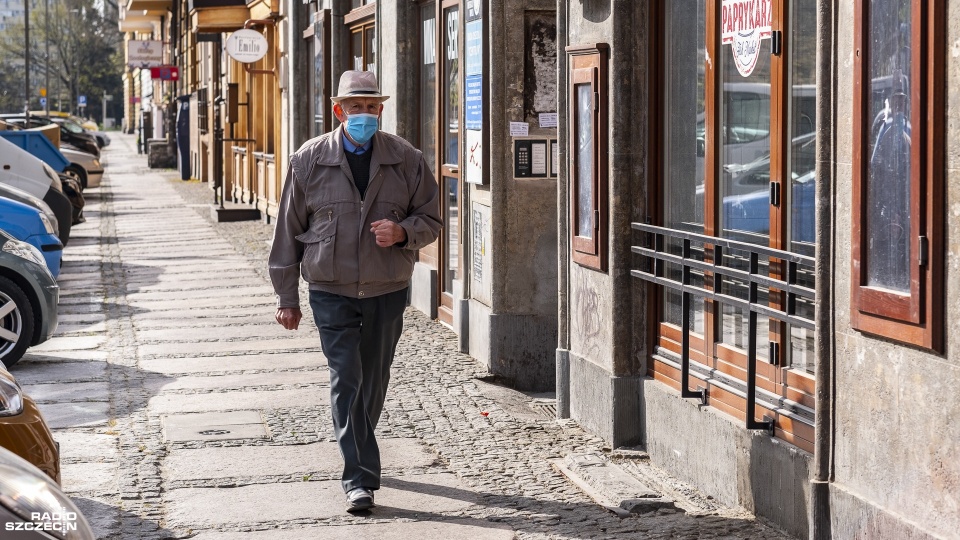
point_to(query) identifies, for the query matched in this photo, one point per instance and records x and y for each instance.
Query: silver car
(33, 507)
(84, 167)
(28, 299)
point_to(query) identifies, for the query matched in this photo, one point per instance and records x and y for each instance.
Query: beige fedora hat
(358, 84)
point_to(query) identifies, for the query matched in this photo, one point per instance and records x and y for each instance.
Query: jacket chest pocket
(319, 243)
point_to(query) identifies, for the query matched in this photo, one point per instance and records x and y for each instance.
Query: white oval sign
(246, 46)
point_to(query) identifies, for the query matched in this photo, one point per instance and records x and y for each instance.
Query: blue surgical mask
(361, 127)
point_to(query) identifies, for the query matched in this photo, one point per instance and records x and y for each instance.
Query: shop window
(588, 154)
(898, 170)
(732, 140)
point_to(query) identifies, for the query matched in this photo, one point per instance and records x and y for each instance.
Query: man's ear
(338, 112)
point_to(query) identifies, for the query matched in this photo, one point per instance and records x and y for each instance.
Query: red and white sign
(165, 73)
(744, 23)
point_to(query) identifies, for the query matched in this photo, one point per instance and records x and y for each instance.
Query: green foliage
(86, 56)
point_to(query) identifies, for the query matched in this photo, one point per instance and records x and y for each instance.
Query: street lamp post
(46, 69)
(26, 58)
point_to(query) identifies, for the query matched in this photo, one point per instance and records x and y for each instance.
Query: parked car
(69, 132)
(23, 430)
(28, 299)
(23, 171)
(33, 507)
(83, 166)
(102, 138)
(21, 196)
(30, 225)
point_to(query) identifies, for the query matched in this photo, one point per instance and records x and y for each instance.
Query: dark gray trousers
(359, 338)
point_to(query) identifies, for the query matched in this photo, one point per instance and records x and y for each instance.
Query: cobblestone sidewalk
(184, 410)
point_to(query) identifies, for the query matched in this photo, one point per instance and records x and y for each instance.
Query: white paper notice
(519, 129)
(555, 158)
(538, 163)
(548, 120)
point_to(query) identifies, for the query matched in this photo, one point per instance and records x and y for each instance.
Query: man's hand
(388, 233)
(289, 317)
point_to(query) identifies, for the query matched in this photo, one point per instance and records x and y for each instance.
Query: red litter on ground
(484, 413)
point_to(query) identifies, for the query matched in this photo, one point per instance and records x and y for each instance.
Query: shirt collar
(350, 147)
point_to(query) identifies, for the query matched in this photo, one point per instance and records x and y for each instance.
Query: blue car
(30, 225)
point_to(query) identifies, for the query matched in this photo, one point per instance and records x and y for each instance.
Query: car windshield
(71, 127)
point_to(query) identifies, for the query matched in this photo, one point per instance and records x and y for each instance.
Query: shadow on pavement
(111, 522)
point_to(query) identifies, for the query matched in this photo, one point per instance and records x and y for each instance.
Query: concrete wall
(604, 325)
(518, 288)
(713, 452)
(897, 443)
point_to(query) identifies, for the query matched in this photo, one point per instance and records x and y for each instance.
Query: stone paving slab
(78, 445)
(267, 302)
(81, 328)
(260, 289)
(227, 401)
(63, 356)
(165, 384)
(99, 478)
(71, 343)
(69, 392)
(225, 347)
(253, 461)
(29, 372)
(204, 314)
(73, 415)
(407, 530)
(214, 364)
(231, 332)
(142, 269)
(102, 513)
(185, 264)
(198, 508)
(212, 282)
(231, 318)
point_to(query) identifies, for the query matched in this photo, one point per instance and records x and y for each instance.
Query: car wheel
(16, 322)
(77, 173)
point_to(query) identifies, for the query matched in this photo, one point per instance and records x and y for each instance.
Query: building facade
(717, 229)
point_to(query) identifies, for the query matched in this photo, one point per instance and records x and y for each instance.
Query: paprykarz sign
(744, 23)
(144, 54)
(165, 73)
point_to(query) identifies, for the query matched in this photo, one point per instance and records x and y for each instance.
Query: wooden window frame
(915, 318)
(588, 65)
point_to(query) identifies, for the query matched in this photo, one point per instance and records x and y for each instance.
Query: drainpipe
(563, 236)
(820, 525)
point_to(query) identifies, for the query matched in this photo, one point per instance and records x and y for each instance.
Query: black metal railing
(725, 254)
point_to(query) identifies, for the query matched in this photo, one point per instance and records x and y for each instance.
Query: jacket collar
(385, 151)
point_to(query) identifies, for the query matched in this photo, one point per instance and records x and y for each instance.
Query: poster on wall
(478, 247)
(473, 100)
(473, 173)
(474, 9)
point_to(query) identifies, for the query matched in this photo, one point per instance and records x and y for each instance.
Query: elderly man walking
(356, 206)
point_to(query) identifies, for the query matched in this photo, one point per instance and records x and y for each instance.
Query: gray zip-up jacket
(323, 228)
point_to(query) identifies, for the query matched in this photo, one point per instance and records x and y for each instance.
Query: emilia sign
(744, 23)
(144, 54)
(246, 46)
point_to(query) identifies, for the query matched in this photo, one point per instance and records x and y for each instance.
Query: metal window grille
(716, 273)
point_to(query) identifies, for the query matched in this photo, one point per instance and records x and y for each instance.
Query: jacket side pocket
(319, 243)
